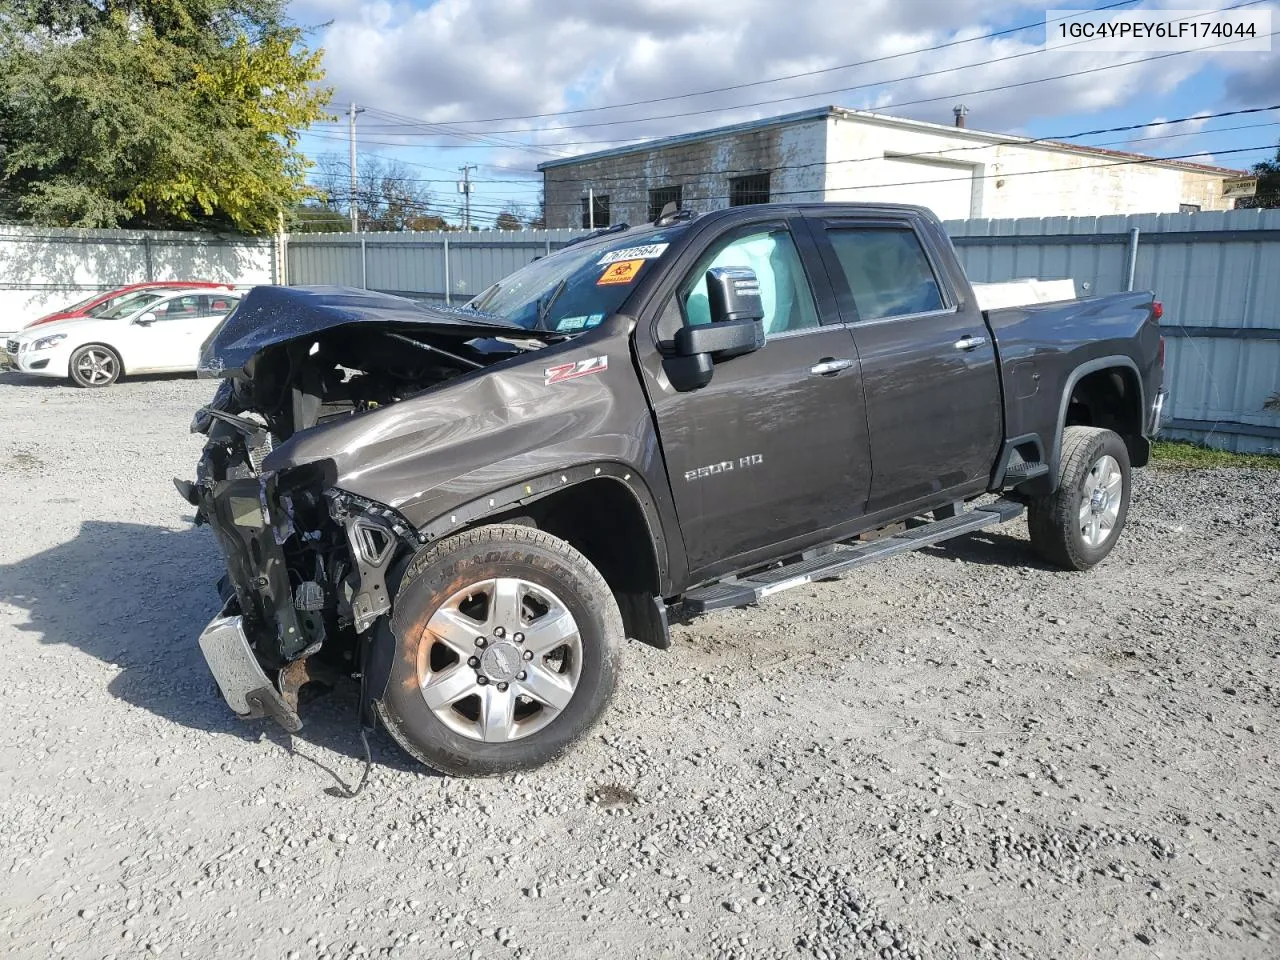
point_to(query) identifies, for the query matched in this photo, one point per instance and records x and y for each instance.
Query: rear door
(773, 450)
(928, 362)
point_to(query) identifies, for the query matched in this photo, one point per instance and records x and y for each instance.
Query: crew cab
(471, 508)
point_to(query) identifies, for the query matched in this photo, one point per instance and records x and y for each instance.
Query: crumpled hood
(268, 316)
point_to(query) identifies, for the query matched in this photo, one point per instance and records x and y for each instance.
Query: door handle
(830, 366)
(970, 343)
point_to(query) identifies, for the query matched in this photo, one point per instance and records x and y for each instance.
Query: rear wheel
(94, 366)
(507, 642)
(1078, 525)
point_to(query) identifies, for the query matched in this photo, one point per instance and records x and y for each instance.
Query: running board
(748, 590)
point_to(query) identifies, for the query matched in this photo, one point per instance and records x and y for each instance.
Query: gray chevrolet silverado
(470, 508)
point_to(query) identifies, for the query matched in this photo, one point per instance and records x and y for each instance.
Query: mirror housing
(733, 293)
(722, 340)
(736, 327)
(145, 319)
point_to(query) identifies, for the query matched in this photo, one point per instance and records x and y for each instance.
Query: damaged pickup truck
(471, 508)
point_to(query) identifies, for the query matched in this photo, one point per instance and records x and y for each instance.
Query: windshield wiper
(544, 305)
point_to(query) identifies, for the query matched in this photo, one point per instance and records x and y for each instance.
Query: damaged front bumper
(308, 566)
(239, 675)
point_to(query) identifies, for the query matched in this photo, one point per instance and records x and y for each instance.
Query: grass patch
(1178, 453)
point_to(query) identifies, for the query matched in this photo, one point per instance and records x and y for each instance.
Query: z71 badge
(572, 371)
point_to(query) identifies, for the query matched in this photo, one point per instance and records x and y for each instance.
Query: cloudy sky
(506, 84)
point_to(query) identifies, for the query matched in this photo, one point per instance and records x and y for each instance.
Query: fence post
(448, 285)
(1133, 259)
(364, 264)
(146, 252)
(548, 238)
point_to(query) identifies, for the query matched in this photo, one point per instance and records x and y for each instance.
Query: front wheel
(95, 366)
(507, 644)
(1078, 525)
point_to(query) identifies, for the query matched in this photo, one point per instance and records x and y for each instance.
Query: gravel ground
(958, 753)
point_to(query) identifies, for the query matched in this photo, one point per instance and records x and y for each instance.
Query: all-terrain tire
(95, 365)
(1059, 531)
(487, 555)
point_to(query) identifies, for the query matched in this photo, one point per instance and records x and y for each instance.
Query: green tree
(153, 113)
(507, 220)
(1268, 193)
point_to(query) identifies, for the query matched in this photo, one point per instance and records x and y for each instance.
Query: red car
(102, 302)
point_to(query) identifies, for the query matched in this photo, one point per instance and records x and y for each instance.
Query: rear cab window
(886, 269)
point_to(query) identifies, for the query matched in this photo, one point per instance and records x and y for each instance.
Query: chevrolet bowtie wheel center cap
(500, 662)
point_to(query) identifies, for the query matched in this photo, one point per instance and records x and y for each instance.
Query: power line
(946, 151)
(914, 183)
(782, 79)
(877, 83)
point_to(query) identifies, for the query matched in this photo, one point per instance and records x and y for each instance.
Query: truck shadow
(990, 548)
(136, 597)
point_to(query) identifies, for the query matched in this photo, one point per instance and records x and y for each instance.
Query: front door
(928, 364)
(172, 341)
(774, 448)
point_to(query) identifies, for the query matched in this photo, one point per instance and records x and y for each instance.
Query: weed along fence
(43, 269)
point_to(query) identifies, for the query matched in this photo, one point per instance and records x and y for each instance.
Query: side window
(784, 288)
(179, 308)
(215, 305)
(887, 271)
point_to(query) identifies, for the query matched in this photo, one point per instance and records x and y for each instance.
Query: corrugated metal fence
(44, 269)
(433, 266)
(1218, 275)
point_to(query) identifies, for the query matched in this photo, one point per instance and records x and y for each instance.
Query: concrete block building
(834, 154)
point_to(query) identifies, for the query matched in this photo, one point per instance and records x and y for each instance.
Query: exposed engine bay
(309, 564)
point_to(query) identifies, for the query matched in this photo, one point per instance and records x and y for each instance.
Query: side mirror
(146, 320)
(736, 327)
(733, 293)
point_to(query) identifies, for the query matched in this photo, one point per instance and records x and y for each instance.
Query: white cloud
(460, 60)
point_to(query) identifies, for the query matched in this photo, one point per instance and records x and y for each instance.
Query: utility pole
(464, 187)
(353, 210)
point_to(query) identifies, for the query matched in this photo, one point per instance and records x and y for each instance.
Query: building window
(601, 218)
(661, 196)
(1188, 208)
(746, 190)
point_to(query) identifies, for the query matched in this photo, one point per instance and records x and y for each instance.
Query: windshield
(79, 304)
(575, 289)
(129, 305)
(107, 306)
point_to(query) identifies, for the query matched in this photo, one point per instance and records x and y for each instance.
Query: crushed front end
(310, 566)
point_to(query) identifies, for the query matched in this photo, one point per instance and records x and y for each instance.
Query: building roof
(867, 116)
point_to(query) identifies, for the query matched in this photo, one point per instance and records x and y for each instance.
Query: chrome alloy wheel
(502, 660)
(1100, 505)
(96, 366)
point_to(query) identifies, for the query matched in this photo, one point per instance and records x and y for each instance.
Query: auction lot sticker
(650, 251)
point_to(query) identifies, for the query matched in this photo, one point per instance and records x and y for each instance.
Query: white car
(153, 332)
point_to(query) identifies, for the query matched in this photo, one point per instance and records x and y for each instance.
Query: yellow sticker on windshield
(622, 272)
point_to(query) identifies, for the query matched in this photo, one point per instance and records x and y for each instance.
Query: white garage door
(944, 188)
